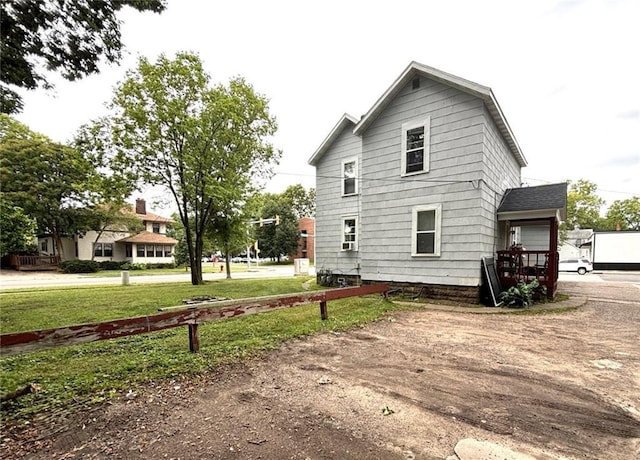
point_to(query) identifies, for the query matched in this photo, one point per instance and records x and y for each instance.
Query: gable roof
(151, 217)
(345, 121)
(551, 197)
(467, 86)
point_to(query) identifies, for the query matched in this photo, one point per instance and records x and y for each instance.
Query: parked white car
(581, 266)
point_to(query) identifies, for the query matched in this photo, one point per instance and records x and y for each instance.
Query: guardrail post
(323, 311)
(194, 340)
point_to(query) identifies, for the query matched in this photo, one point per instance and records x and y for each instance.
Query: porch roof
(148, 238)
(534, 202)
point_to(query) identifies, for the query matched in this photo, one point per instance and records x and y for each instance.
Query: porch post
(553, 258)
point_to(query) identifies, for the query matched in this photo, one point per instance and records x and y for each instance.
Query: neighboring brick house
(306, 243)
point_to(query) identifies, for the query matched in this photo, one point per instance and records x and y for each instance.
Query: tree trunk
(58, 239)
(93, 252)
(227, 262)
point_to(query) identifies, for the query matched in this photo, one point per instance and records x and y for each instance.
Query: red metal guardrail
(190, 315)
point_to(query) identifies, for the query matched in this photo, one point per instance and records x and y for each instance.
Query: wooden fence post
(194, 340)
(323, 311)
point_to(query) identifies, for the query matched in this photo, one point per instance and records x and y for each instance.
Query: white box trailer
(615, 250)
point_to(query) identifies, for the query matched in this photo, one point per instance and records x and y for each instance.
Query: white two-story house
(410, 194)
(151, 245)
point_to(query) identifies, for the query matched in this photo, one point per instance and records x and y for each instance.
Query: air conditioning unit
(348, 246)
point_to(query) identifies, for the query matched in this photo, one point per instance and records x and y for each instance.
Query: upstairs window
(349, 177)
(156, 227)
(425, 239)
(415, 147)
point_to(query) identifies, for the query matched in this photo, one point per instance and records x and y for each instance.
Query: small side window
(425, 238)
(349, 234)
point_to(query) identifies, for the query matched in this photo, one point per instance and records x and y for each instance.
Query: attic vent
(415, 83)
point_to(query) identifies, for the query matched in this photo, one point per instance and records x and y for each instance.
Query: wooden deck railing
(514, 266)
(24, 263)
(189, 315)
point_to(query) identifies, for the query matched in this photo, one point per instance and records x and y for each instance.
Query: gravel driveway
(411, 386)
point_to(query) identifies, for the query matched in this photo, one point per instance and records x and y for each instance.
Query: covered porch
(529, 219)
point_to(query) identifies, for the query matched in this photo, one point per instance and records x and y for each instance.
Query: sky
(565, 73)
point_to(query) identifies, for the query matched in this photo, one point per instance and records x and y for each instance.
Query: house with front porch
(422, 187)
(151, 245)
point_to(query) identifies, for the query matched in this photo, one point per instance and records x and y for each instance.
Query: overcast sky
(566, 73)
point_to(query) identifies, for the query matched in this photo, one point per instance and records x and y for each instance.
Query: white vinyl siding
(415, 147)
(426, 225)
(350, 177)
(332, 206)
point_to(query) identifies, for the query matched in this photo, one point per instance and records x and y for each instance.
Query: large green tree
(302, 201)
(624, 214)
(68, 36)
(65, 189)
(206, 144)
(17, 230)
(281, 239)
(583, 206)
(48, 181)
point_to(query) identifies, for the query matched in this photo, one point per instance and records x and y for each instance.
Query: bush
(136, 266)
(110, 265)
(522, 294)
(79, 266)
(159, 265)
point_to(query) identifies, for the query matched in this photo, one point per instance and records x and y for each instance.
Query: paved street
(10, 279)
(602, 276)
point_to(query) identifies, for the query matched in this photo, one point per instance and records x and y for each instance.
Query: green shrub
(522, 294)
(159, 265)
(79, 266)
(110, 265)
(136, 266)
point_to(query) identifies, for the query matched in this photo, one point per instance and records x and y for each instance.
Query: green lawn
(207, 267)
(76, 376)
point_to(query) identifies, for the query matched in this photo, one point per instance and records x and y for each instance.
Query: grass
(81, 375)
(207, 267)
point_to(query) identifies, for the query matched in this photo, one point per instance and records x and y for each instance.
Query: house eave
(335, 132)
(530, 215)
(467, 86)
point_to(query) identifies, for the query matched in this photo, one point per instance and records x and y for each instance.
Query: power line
(599, 190)
(433, 181)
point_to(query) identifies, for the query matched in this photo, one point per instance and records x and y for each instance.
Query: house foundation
(466, 294)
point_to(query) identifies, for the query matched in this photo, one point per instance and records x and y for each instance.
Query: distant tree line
(584, 210)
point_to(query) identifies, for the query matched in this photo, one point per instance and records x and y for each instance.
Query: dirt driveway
(552, 386)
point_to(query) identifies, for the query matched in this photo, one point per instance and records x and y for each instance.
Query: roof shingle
(148, 238)
(552, 196)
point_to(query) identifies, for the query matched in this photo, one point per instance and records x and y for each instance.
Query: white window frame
(342, 165)
(344, 234)
(426, 123)
(437, 231)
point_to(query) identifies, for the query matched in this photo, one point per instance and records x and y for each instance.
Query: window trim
(426, 156)
(342, 165)
(437, 231)
(343, 234)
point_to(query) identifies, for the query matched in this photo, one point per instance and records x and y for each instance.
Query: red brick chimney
(141, 206)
